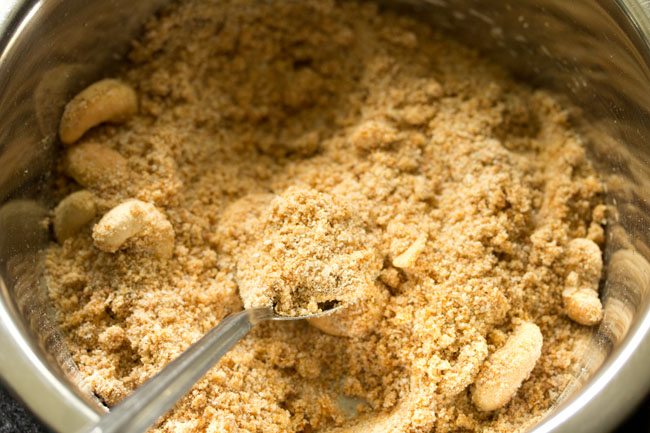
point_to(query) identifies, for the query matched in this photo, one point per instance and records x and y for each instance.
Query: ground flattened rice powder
(313, 151)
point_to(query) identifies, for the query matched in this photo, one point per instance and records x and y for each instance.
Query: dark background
(14, 418)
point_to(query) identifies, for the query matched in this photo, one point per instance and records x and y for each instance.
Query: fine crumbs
(308, 154)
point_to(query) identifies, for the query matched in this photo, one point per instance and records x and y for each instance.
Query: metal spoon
(137, 412)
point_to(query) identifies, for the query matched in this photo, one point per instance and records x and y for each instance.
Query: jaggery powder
(315, 151)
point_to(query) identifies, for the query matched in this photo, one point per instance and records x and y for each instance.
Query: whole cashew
(506, 369)
(104, 101)
(135, 218)
(95, 166)
(72, 213)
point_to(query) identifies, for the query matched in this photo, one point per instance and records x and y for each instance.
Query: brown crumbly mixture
(308, 252)
(331, 112)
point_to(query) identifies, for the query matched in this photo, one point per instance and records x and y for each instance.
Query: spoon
(137, 412)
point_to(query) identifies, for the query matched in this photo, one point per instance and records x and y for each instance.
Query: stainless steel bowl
(594, 52)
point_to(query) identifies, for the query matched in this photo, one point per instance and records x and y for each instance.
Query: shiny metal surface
(594, 52)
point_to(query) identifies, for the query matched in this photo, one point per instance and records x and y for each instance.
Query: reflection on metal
(595, 52)
(40, 370)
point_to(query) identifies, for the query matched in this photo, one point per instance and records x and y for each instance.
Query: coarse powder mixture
(308, 252)
(311, 150)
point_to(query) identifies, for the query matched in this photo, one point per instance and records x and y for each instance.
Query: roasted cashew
(72, 213)
(95, 166)
(135, 218)
(104, 101)
(506, 369)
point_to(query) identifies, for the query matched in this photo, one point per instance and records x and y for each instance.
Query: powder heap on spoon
(306, 252)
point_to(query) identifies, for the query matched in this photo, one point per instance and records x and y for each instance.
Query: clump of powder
(311, 252)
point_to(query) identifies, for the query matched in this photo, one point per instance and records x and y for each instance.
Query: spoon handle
(137, 412)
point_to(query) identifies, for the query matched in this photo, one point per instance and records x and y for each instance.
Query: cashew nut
(467, 365)
(95, 166)
(104, 101)
(583, 260)
(507, 368)
(72, 213)
(408, 258)
(135, 218)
